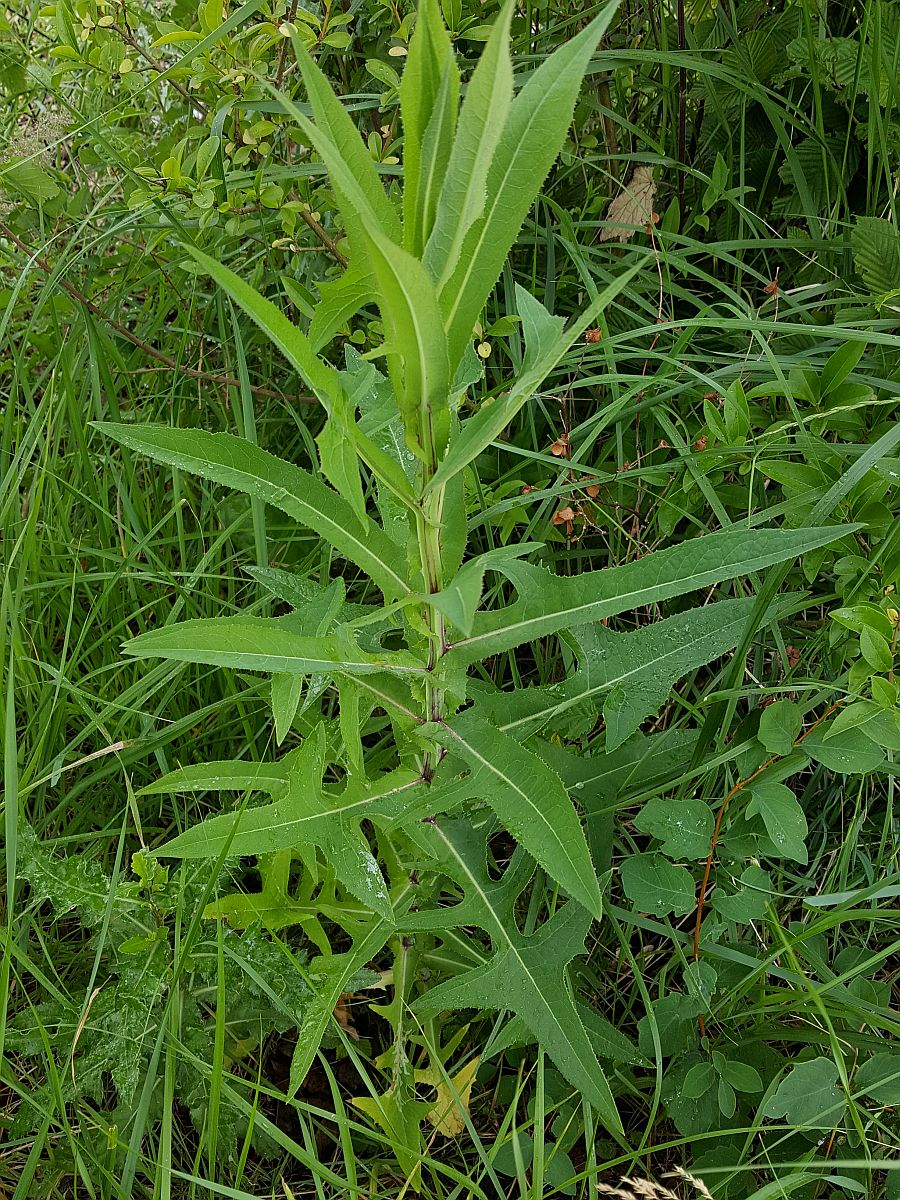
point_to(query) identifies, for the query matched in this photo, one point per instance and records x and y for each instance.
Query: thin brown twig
(282, 57)
(171, 364)
(323, 236)
(160, 68)
(739, 787)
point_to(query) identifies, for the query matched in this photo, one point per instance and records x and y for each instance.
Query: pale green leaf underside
(436, 146)
(459, 600)
(631, 674)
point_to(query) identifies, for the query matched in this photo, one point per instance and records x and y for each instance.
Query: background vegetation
(740, 160)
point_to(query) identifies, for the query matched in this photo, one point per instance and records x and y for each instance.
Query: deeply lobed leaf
(548, 603)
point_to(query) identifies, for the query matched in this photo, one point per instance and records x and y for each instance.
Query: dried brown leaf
(566, 513)
(632, 209)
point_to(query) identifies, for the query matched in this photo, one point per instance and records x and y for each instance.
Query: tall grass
(101, 319)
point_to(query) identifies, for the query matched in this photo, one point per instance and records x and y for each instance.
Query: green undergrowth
(405, 848)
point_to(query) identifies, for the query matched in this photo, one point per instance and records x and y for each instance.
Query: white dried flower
(36, 138)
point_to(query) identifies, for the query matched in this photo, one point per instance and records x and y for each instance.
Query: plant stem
(430, 513)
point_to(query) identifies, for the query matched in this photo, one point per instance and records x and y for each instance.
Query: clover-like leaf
(808, 1097)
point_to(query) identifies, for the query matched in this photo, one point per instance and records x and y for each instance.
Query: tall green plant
(462, 760)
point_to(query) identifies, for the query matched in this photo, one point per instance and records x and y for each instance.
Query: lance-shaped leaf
(329, 978)
(227, 775)
(286, 693)
(233, 462)
(436, 147)
(548, 603)
(294, 819)
(334, 123)
(416, 343)
(341, 443)
(546, 344)
(304, 815)
(525, 974)
(318, 375)
(529, 799)
(264, 644)
(629, 674)
(357, 188)
(459, 600)
(532, 138)
(429, 95)
(481, 121)
(415, 336)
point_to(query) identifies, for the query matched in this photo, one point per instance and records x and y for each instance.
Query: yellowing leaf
(400, 1117)
(453, 1097)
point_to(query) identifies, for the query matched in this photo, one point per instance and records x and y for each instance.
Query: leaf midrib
(297, 821)
(500, 933)
(494, 770)
(621, 601)
(607, 685)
